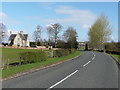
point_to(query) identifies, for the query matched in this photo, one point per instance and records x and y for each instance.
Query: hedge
(63, 52)
(31, 57)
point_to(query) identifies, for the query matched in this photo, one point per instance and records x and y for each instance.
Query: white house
(19, 39)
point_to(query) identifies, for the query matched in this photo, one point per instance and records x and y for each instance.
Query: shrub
(66, 52)
(31, 57)
(42, 56)
(49, 53)
(57, 53)
(27, 57)
(72, 50)
(63, 52)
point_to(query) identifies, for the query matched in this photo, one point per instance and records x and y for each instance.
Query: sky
(26, 16)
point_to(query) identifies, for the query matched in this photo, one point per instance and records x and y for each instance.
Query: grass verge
(15, 70)
(117, 57)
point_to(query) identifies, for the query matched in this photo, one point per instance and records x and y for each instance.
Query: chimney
(10, 32)
(21, 32)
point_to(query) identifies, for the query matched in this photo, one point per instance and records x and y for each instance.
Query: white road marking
(93, 54)
(93, 58)
(62, 80)
(69, 75)
(89, 61)
(86, 63)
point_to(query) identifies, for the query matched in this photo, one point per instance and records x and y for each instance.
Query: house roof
(23, 36)
(12, 36)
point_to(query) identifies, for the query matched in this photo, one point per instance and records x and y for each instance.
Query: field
(13, 54)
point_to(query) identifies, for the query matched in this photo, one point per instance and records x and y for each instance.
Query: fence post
(7, 63)
(20, 61)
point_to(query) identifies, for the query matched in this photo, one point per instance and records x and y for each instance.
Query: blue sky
(81, 15)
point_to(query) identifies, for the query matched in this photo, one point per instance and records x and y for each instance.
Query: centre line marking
(86, 63)
(62, 80)
(93, 58)
(93, 54)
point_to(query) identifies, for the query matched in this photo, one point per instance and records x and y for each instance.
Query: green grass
(117, 57)
(14, 70)
(13, 54)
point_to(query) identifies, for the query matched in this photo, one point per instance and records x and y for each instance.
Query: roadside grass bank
(117, 57)
(23, 68)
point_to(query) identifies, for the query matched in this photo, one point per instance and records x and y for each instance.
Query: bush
(65, 52)
(113, 52)
(72, 50)
(57, 53)
(42, 56)
(31, 57)
(49, 53)
(27, 57)
(32, 44)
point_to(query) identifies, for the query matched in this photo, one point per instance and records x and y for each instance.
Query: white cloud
(114, 38)
(6, 20)
(3, 15)
(47, 5)
(86, 26)
(84, 18)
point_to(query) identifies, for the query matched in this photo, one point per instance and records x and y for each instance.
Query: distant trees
(53, 31)
(61, 44)
(68, 39)
(112, 46)
(50, 33)
(100, 32)
(70, 36)
(37, 34)
(56, 28)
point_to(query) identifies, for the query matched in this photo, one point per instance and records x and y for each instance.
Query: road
(89, 70)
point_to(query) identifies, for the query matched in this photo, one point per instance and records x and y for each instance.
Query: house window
(18, 39)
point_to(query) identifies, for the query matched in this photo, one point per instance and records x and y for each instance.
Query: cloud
(84, 18)
(86, 26)
(114, 38)
(6, 20)
(3, 15)
(47, 5)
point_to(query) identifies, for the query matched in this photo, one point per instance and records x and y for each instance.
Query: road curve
(90, 70)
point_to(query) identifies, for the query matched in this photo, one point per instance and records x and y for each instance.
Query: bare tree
(100, 32)
(50, 32)
(56, 30)
(37, 34)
